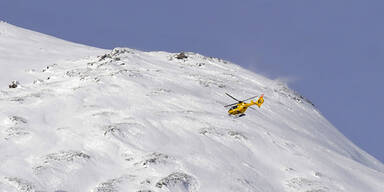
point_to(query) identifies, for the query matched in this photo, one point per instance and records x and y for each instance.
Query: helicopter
(238, 109)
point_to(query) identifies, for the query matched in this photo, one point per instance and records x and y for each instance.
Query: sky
(330, 51)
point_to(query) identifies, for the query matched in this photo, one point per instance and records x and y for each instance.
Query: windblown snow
(129, 120)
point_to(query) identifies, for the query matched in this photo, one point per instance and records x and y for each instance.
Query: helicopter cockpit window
(234, 107)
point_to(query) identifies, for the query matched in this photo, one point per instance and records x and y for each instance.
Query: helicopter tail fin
(260, 101)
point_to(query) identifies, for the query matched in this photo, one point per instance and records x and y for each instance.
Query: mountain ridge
(23, 49)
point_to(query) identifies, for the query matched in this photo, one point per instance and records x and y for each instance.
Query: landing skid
(237, 116)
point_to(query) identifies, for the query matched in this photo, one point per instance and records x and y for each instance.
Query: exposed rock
(20, 184)
(66, 156)
(178, 180)
(181, 55)
(14, 84)
(155, 158)
(17, 119)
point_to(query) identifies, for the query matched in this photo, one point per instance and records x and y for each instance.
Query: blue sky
(331, 51)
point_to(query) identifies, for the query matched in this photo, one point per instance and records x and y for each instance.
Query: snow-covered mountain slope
(22, 50)
(147, 121)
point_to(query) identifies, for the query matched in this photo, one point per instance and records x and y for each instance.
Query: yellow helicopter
(238, 109)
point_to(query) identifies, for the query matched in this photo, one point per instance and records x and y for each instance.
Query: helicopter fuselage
(239, 108)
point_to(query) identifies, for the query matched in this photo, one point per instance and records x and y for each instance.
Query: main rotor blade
(252, 108)
(230, 104)
(231, 97)
(249, 98)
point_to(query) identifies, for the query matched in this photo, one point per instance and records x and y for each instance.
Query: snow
(22, 50)
(146, 121)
